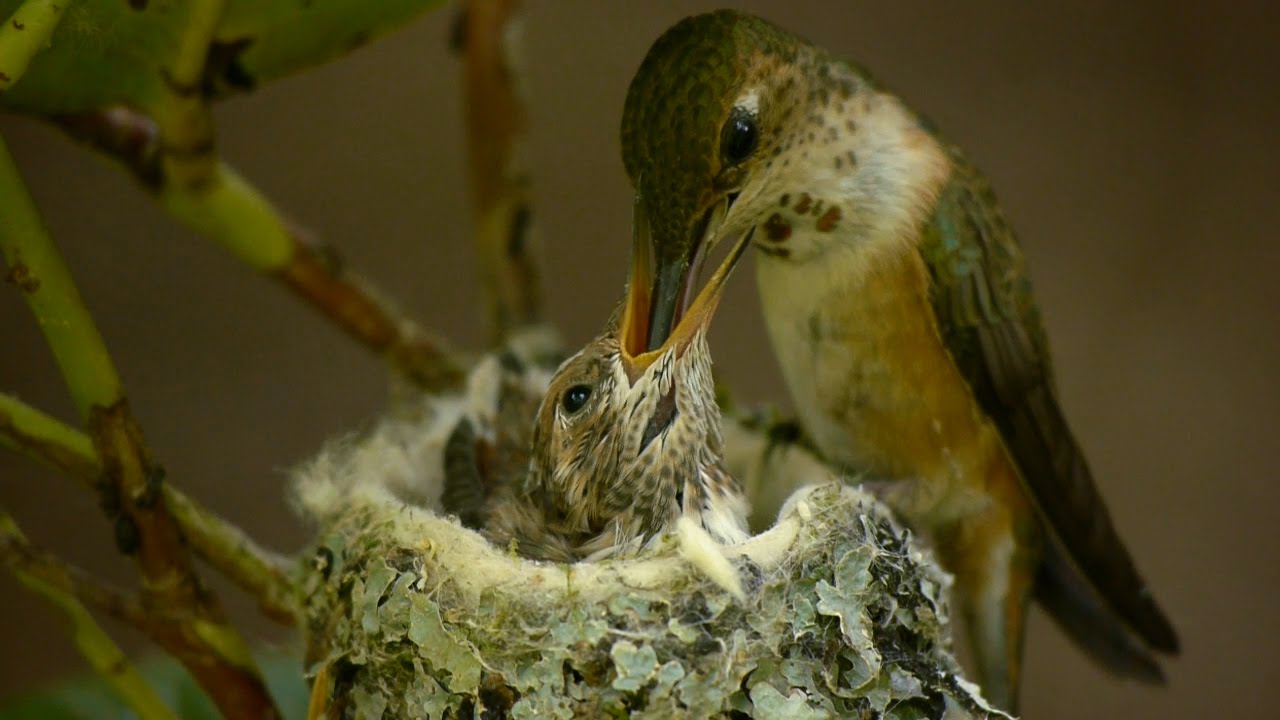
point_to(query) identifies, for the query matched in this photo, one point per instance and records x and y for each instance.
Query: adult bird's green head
(702, 119)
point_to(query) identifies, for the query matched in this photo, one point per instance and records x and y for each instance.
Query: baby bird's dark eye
(739, 137)
(575, 398)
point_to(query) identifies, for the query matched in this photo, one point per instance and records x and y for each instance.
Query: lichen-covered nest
(831, 612)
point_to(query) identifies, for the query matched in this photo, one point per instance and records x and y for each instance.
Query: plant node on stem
(224, 546)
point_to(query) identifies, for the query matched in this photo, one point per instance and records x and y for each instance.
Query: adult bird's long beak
(668, 294)
(636, 333)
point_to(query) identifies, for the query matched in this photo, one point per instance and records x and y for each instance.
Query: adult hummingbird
(626, 442)
(899, 307)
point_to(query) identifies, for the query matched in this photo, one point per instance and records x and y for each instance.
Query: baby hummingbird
(626, 442)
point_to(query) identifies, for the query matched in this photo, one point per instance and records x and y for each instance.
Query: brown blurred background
(1133, 147)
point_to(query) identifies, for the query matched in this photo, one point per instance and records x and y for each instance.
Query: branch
(25, 34)
(188, 157)
(130, 486)
(207, 196)
(18, 553)
(37, 270)
(172, 627)
(227, 548)
(230, 211)
(61, 588)
(258, 571)
(500, 192)
(40, 437)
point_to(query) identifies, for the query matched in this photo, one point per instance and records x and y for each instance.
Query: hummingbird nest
(830, 612)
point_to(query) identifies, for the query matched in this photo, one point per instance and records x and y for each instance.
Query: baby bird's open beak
(633, 331)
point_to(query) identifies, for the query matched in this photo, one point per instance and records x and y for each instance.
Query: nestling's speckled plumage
(898, 303)
(605, 480)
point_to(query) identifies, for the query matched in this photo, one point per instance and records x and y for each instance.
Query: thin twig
(24, 34)
(130, 490)
(315, 274)
(18, 553)
(42, 438)
(174, 628)
(97, 647)
(258, 571)
(501, 197)
(230, 211)
(227, 548)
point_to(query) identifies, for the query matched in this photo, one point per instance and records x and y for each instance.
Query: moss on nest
(831, 612)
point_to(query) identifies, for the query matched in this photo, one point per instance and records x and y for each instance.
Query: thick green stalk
(186, 125)
(37, 269)
(187, 66)
(25, 34)
(230, 211)
(97, 647)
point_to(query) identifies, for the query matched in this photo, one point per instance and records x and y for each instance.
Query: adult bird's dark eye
(575, 398)
(739, 137)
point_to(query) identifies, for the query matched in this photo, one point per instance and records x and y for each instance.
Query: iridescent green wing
(988, 319)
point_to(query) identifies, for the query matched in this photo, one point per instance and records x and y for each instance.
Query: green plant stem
(187, 67)
(42, 438)
(227, 548)
(186, 125)
(25, 34)
(258, 571)
(37, 269)
(183, 168)
(97, 647)
(232, 212)
(130, 484)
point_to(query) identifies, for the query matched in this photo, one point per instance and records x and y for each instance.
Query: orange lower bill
(633, 333)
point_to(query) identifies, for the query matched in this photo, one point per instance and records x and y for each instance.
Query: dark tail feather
(1090, 624)
(464, 489)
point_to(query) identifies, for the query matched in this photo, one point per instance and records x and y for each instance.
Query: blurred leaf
(113, 52)
(90, 698)
(103, 53)
(290, 35)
